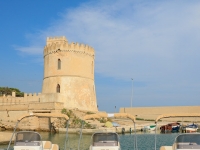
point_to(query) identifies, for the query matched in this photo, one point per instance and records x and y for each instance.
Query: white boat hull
(27, 148)
(166, 148)
(188, 130)
(104, 148)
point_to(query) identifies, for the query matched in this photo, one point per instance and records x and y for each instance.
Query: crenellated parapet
(58, 40)
(31, 94)
(10, 100)
(60, 44)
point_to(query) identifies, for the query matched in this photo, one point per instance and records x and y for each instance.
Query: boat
(170, 127)
(107, 140)
(191, 128)
(149, 128)
(31, 140)
(187, 141)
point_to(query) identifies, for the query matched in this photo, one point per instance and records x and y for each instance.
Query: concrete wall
(153, 112)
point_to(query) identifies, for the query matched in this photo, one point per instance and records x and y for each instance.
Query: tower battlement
(59, 40)
(55, 44)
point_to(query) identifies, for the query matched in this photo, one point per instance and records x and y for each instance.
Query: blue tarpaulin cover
(115, 124)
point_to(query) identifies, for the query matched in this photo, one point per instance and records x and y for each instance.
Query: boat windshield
(27, 136)
(192, 126)
(105, 139)
(186, 141)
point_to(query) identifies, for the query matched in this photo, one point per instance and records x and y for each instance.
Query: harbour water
(144, 141)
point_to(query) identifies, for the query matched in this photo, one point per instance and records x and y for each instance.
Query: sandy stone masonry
(10, 100)
(11, 110)
(61, 44)
(69, 74)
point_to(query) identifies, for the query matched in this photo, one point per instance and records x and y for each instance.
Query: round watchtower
(69, 74)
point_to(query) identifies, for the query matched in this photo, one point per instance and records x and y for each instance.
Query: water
(144, 141)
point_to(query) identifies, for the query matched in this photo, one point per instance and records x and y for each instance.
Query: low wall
(11, 116)
(32, 106)
(10, 113)
(28, 98)
(153, 112)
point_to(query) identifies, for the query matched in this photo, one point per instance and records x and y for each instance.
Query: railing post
(12, 135)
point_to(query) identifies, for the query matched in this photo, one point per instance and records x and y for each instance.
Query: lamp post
(132, 93)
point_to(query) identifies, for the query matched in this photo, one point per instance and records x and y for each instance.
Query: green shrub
(102, 120)
(68, 113)
(149, 119)
(75, 122)
(88, 113)
(87, 126)
(109, 119)
(8, 91)
(139, 119)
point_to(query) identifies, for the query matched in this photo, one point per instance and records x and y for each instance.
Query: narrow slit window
(59, 64)
(58, 88)
(92, 70)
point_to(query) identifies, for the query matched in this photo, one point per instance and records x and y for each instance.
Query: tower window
(58, 88)
(92, 71)
(59, 64)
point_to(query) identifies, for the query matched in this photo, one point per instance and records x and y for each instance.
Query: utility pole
(132, 93)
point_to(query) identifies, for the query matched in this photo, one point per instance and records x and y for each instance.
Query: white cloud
(153, 41)
(31, 50)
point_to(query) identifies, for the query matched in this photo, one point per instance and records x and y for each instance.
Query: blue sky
(154, 42)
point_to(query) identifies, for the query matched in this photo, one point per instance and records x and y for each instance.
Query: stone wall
(10, 113)
(28, 98)
(153, 112)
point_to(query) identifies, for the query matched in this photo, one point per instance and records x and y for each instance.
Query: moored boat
(106, 141)
(189, 141)
(30, 140)
(191, 128)
(171, 127)
(149, 128)
(186, 141)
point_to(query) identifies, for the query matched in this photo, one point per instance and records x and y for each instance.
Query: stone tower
(69, 74)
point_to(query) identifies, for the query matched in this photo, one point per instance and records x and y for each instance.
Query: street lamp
(132, 93)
